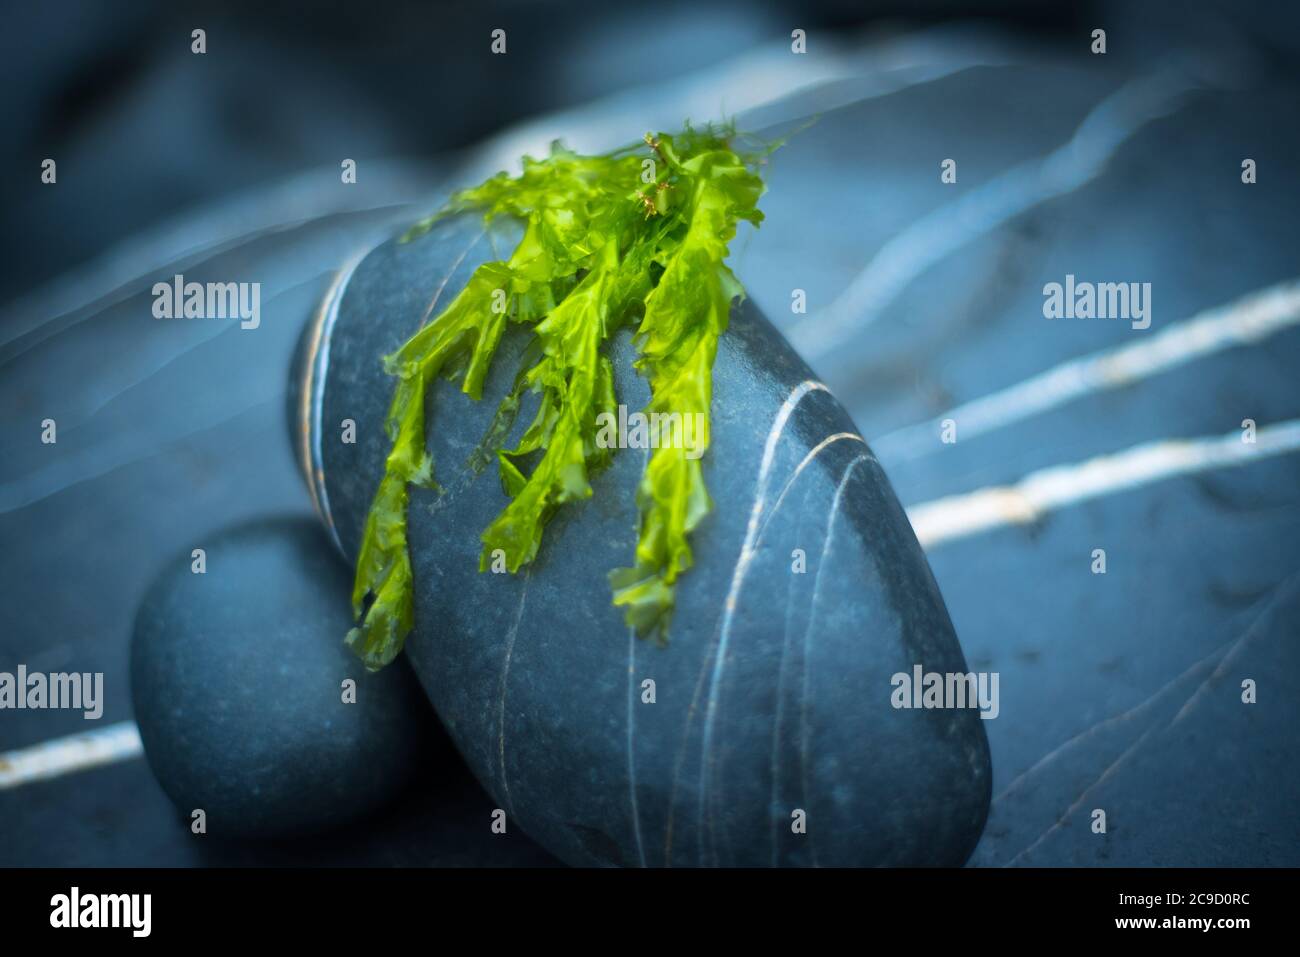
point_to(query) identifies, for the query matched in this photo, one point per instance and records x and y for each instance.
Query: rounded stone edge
(310, 367)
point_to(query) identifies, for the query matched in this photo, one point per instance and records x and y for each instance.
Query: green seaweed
(636, 236)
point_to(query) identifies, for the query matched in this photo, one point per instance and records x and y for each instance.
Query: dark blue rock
(237, 680)
(773, 695)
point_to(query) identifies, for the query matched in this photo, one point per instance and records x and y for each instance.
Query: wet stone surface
(772, 696)
(237, 678)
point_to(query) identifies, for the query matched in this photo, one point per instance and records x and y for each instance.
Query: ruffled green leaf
(602, 248)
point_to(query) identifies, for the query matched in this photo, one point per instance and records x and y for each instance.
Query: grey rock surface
(237, 678)
(773, 694)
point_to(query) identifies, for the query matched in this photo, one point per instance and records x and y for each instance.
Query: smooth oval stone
(773, 695)
(237, 681)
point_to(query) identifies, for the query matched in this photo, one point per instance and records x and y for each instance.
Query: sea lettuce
(636, 237)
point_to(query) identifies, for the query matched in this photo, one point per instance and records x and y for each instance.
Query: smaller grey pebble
(237, 681)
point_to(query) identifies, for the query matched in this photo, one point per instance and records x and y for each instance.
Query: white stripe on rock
(1038, 493)
(1247, 321)
(941, 232)
(76, 752)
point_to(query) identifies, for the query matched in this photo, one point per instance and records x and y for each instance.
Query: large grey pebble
(773, 696)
